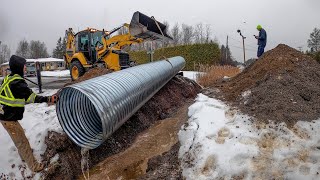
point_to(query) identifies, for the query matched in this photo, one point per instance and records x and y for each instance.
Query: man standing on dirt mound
(14, 94)
(262, 40)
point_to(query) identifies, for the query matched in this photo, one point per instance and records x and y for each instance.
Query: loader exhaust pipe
(90, 111)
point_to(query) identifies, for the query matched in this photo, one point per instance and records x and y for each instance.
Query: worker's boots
(21, 142)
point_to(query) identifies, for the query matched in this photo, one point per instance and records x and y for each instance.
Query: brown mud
(147, 157)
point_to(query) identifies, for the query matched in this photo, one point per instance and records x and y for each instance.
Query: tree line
(186, 35)
(183, 34)
(32, 50)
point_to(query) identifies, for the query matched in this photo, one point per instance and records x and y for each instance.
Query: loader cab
(86, 42)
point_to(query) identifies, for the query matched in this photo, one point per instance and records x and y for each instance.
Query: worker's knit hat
(259, 27)
(16, 64)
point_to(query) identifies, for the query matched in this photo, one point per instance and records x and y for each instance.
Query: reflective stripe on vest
(31, 98)
(8, 98)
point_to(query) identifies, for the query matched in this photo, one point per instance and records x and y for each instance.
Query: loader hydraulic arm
(121, 40)
(70, 46)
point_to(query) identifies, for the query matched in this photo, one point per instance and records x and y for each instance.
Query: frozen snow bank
(217, 142)
(192, 74)
(63, 73)
(37, 121)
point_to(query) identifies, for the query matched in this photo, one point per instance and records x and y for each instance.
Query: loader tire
(76, 70)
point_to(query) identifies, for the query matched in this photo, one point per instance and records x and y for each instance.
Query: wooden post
(244, 50)
(227, 47)
(38, 68)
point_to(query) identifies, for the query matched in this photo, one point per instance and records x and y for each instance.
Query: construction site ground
(261, 123)
(166, 112)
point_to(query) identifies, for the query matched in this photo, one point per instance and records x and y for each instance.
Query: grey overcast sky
(286, 21)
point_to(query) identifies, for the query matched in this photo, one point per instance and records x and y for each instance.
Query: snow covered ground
(190, 74)
(63, 73)
(37, 121)
(41, 60)
(220, 143)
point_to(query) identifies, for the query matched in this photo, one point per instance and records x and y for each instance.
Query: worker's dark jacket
(262, 40)
(20, 90)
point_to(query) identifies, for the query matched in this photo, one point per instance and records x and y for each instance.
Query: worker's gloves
(53, 99)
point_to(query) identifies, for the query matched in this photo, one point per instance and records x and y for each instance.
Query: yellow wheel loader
(98, 48)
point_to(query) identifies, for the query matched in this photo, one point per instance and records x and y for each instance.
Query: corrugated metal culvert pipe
(90, 111)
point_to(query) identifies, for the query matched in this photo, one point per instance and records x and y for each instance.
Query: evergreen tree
(60, 49)
(314, 41)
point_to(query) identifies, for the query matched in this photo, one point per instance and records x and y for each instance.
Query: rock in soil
(283, 85)
(173, 95)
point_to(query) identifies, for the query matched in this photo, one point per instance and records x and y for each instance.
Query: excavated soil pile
(174, 94)
(92, 73)
(284, 86)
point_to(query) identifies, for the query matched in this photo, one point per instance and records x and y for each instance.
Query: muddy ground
(94, 72)
(153, 154)
(283, 86)
(174, 94)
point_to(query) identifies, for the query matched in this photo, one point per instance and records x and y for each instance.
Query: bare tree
(187, 34)
(23, 49)
(208, 33)
(123, 30)
(4, 53)
(215, 40)
(38, 50)
(165, 43)
(176, 34)
(199, 34)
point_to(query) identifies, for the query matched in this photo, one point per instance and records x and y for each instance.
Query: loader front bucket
(144, 27)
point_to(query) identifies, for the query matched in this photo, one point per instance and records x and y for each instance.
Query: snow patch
(245, 95)
(191, 74)
(63, 73)
(41, 60)
(38, 119)
(218, 142)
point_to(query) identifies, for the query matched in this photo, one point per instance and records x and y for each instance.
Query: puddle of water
(85, 163)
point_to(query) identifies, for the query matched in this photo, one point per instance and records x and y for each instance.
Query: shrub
(208, 54)
(213, 73)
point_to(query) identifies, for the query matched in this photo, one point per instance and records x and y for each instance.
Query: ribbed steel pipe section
(90, 111)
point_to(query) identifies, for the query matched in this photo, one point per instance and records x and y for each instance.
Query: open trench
(133, 162)
(137, 146)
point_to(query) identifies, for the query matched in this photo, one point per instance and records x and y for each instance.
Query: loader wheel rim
(75, 72)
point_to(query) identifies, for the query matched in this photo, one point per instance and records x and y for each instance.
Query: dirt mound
(284, 86)
(92, 73)
(174, 94)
